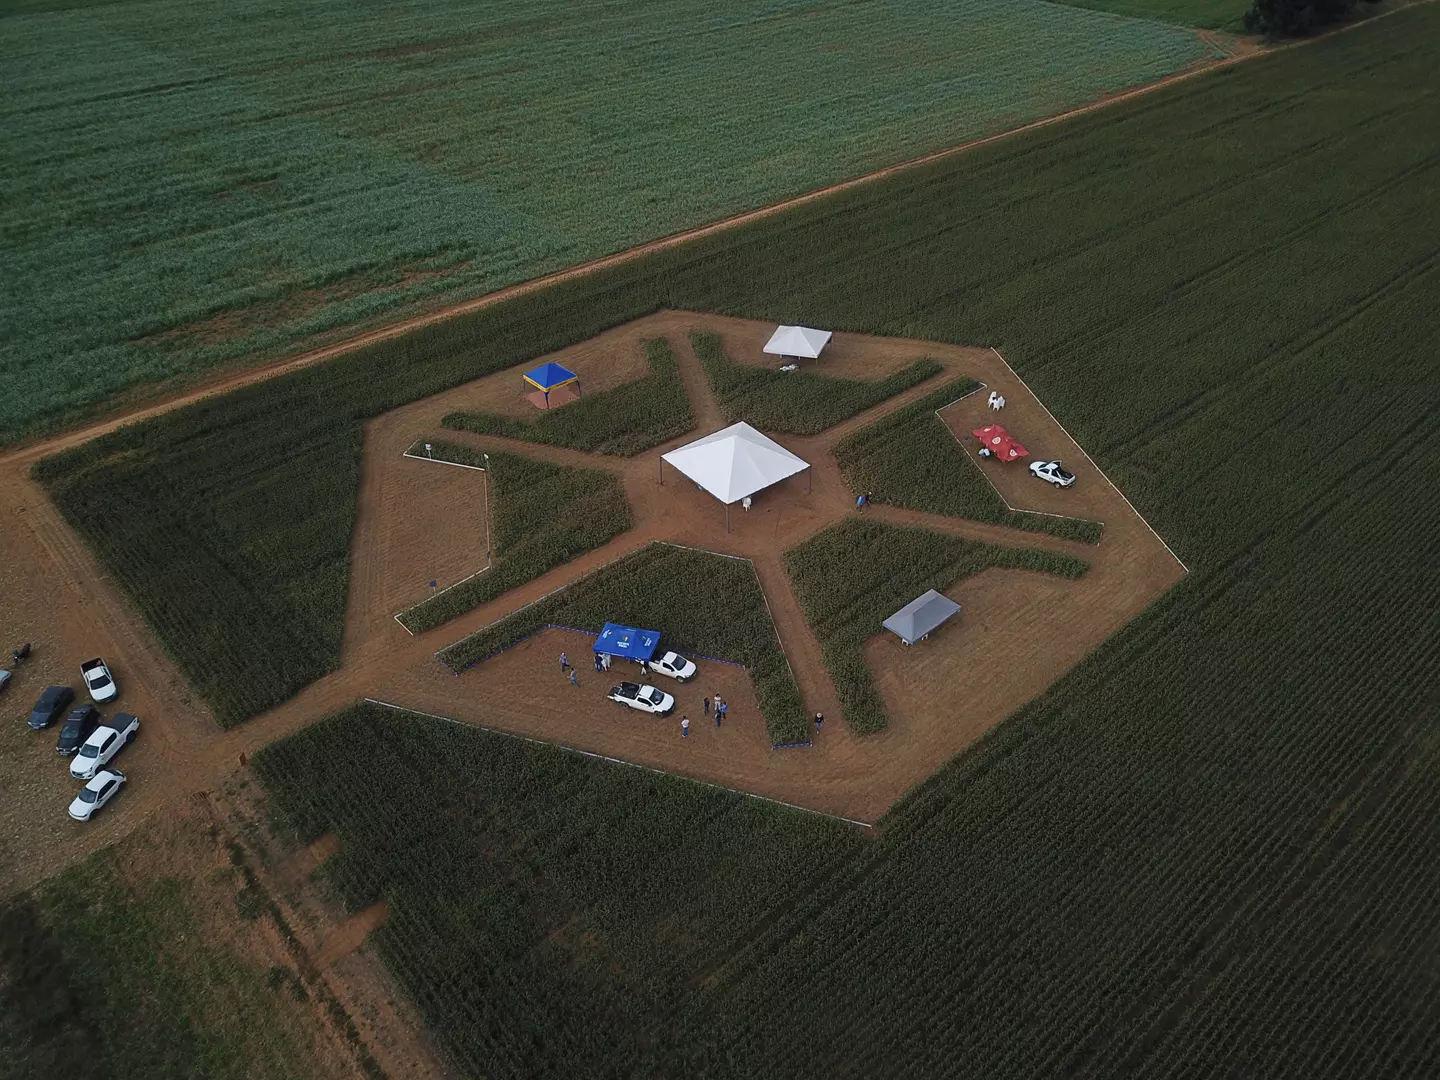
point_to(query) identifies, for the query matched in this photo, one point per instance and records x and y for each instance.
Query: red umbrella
(998, 441)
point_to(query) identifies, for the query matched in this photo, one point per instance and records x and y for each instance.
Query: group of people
(718, 707)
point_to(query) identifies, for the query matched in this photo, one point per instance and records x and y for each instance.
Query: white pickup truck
(98, 680)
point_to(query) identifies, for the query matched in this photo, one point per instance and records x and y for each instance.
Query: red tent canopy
(999, 442)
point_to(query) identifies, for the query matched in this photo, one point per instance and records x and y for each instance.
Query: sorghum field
(1208, 850)
(189, 182)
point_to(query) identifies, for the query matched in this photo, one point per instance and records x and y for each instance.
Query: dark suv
(54, 701)
(78, 726)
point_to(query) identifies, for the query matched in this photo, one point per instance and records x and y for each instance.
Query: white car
(96, 794)
(98, 681)
(674, 665)
(1052, 472)
(104, 743)
(645, 698)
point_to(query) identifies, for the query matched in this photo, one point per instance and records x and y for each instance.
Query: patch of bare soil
(330, 950)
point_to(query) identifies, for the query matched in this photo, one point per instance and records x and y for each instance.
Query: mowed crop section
(187, 183)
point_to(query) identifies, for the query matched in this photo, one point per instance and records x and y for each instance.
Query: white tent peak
(797, 341)
(735, 462)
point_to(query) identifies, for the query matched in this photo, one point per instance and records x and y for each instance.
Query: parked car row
(89, 740)
(650, 699)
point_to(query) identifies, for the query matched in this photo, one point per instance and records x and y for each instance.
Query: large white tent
(734, 462)
(797, 341)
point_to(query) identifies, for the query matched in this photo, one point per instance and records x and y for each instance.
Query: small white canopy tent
(797, 341)
(734, 463)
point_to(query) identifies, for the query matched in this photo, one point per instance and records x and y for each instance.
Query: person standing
(721, 711)
(573, 680)
(860, 501)
(819, 721)
(564, 662)
(705, 704)
(684, 727)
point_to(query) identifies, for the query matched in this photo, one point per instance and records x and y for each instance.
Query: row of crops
(796, 402)
(705, 604)
(550, 935)
(851, 576)
(191, 183)
(626, 419)
(910, 458)
(1207, 850)
(541, 515)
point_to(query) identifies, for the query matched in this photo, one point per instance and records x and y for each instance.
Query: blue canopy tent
(627, 641)
(551, 376)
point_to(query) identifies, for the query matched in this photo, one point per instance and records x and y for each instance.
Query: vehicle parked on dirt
(77, 728)
(104, 743)
(54, 701)
(1051, 472)
(101, 789)
(99, 681)
(642, 697)
(4, 679)
(674, 665)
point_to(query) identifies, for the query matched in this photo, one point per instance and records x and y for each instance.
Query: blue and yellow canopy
(550, 376)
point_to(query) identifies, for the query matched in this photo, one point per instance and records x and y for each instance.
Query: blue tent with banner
(627, 641)
(549, 377)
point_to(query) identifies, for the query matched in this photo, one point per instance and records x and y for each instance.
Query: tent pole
(660, 478)
(727, 517)
(809, 481)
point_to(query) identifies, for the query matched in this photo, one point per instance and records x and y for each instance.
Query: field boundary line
(489, 551)
(1000, 494)
(442, 461)
(1091, 460)
(283, 365)
(619, 761)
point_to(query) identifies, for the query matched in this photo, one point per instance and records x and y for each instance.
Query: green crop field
(1208, 850)
(192, 182)
(703, 604)
(1136, 319)
(550, 936)
(542, 515)
(1209, 14)
(852, 575)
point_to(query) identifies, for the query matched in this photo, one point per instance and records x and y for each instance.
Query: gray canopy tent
(917, 619)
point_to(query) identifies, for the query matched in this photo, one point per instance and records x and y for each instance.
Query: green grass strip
(852, 576)
(795, 402)
(625, 420)
(543, 515)
(911, 459)
(701, 603)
